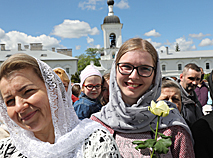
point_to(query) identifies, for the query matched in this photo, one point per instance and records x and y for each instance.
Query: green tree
(75, 78)
(206, 76)
(92, 54)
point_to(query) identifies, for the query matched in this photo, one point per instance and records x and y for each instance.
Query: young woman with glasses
(135, 80)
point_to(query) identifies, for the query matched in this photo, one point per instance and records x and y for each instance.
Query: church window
(163, 67)
(207, 65)
(179, 67)
(68, 70)
(112, 38)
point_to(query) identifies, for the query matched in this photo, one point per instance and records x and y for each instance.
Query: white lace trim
(101, 144)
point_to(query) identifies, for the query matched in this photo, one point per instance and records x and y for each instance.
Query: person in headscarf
(135, 80)
(40, 118)
(64, 76)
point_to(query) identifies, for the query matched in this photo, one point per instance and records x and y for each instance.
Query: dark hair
(76, 90)
(17, 62)
(192, 66)
(105, 78)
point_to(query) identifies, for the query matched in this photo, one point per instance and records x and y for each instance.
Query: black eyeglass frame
(153, 68)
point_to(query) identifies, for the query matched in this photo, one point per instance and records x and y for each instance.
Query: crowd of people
(44, 114)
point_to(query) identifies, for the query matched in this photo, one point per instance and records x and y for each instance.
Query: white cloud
(155, 44)
(90, 40)
(199, 36)
(94, 46)
(77, 47)
(206, 42)
(2, 33)
(12, 38)
(91, 43)
(123, 4)
(184, 45)
(152, 33)
(89, 4)
(74, 29)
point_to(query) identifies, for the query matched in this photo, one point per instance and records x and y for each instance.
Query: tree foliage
(92, 54)
(206, 76)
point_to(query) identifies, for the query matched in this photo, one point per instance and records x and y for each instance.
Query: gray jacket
(191, 107)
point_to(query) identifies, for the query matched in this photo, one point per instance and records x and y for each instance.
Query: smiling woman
(135, 80)
(39, 115)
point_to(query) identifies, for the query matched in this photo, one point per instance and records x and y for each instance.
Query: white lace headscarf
(70, 132)
(136, 118)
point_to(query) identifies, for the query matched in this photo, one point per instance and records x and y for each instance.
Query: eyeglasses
(127, 69)
(91, 86)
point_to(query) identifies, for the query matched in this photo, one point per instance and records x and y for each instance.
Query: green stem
(156, 134)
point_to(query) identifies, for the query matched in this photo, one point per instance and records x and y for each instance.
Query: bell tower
(112, 36)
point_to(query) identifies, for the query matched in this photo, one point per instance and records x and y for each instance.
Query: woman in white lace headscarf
(135, 80)
(39, 117)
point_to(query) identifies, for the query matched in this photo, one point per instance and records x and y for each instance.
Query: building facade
(52, 58)
(172, 63)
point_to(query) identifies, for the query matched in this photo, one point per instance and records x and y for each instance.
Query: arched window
(179, 67)
(163, 67)
(207, 66)
(112, 38)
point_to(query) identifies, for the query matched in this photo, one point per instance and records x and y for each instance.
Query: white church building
(172, 63)
(52, 58)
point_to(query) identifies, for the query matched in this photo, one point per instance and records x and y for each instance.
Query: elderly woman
(41, 119)
(170, 91)
(135, 80)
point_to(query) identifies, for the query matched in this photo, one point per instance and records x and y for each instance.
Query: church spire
(110, 6)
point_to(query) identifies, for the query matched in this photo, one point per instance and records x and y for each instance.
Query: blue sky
(76, 24)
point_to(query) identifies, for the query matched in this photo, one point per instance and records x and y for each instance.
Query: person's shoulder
(204, 122)
(84, 101)
(100, 144)
(175, 130)
(103, 124)
(80, 101)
